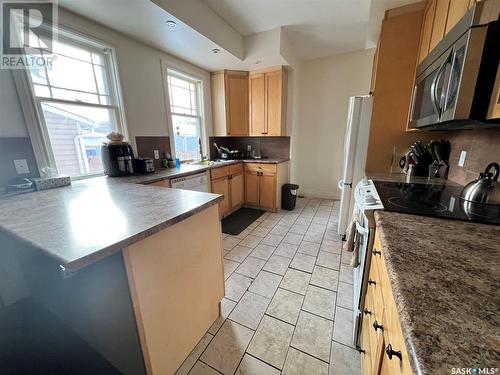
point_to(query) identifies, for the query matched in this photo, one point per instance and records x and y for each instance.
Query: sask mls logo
(28, 30)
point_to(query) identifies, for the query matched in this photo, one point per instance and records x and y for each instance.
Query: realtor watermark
(474, 370)
(29, 29)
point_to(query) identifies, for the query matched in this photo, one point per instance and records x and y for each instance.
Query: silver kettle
(485, 189)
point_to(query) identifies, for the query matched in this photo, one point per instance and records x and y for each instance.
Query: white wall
(12, 122)
(325, 86)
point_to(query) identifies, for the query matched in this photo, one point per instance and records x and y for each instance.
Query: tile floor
(288, 303)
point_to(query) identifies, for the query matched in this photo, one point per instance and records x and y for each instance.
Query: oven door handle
(361, 230)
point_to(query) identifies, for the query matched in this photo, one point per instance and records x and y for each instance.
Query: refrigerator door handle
(341, 184)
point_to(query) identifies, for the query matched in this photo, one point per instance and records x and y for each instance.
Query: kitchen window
(186, 114)
(77, 103)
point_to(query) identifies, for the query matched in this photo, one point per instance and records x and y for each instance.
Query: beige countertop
(445, 277)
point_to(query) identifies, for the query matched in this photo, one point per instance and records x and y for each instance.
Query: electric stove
(434, 200)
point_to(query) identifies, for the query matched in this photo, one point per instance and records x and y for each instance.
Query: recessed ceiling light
(171, 24)
(215, 50)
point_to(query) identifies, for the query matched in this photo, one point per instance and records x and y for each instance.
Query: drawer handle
(376, 252)
(367, 312)
(372, 282)
(378, 326)
(391, 352)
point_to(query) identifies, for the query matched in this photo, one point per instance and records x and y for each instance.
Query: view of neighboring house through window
(77, 105)
(185, 98)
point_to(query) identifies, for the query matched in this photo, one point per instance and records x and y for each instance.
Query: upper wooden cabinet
(267, 95)
(230, 102)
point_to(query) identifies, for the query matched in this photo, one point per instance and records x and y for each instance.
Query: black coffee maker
(117, 159)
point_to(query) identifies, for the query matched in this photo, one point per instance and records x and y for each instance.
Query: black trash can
(289, 196)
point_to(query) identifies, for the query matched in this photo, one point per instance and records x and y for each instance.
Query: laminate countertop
(445, 279)
(91, 219)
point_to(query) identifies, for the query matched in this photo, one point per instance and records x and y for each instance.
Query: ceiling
(242, 29)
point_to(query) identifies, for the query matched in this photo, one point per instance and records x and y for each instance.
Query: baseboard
(312, 193)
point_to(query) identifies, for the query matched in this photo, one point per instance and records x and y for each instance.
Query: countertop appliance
(485, 189)
(355, 152)
(195, 182)
(143, 165)
(437, 200)
(117, 159)
(454, 83)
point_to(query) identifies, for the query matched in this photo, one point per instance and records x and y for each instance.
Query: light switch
(156, 154)
(461, 161)
(21, 166)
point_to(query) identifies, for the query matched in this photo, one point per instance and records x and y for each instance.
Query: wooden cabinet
(426, 32)
(228, 181)
(439, 24)
(161, 183)
(267, 108)
(456, 11)
(263, 184)
(381, 328)
(230, 102)
(494, 107)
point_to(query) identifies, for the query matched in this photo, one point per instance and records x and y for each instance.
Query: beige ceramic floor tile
(277, 264)
(271, 341)
(320, 301)
(295, 281)
(329, 260)
(239, 253)
(227, 347)
(286, 250)
(313, 335)
(316, 237)
(229, 267)
(226, 307)
(280, 230)
(201, 368)
(343, 326)
(345, 295)
(344, 360)
(272, 239)
(331, 246)
(293, 238)
(263, 251)
(298, 363)
(309, 248)
(299, 228)
(285, 306)
(303, 262)
(260, 231)
(194, 355)
(236, 286)
(251, 266)
(265, 284)
(325, 278)
(252, 366)
(250, 241)
(346, 274)
(250, 310)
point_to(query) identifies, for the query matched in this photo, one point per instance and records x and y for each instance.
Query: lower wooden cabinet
(228, 181)
(221, 186)
(382, 339)
(263, 184)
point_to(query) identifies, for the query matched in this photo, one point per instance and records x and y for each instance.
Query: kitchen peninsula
(135, 271)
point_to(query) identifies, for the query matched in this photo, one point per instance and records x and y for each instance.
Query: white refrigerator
(355, 152)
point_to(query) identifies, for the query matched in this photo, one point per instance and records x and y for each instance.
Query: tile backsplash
(269, 147)
(12, 148)
(147, 145)
(482, 147)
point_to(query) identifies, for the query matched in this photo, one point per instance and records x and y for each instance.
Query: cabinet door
(237, 103)
(237, 187)
(257, 98)
(425, 36)
(252, 188)
(274, 102)
(221, 186)
(439, 25)
(267, 190)
(456, 11)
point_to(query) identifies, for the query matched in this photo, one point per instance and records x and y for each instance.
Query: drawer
(236, 168)
(374, 287)
(260, 167)
(219, 172)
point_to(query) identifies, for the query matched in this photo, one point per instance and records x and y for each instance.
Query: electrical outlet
(21, 166)
(156, 153)
(461, 161)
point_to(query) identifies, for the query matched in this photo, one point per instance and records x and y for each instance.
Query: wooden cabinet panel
(260, 167)
(366, 346)
(256, 84)
(219, 172)
(456, 11)
(439, 25)
(252, 188)
(494, 107)
(235, 168)
(267, 193)
(162, 183)
(237, 187)
(425, 36)
(274, 101)
(221, 186)
(236, 86)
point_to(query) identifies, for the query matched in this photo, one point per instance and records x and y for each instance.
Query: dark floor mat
(236, 223)
(34, 341)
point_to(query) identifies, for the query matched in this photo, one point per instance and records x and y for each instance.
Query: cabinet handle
(376, 252)
(391, 352)
(378, 326)
(367, 312)
(372, 282)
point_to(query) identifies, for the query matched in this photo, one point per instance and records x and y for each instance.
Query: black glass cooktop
(434, 200)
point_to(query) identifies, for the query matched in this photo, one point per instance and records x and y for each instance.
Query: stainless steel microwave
(454, 84)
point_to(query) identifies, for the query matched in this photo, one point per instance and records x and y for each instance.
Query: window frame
(32, 104)
(199, 82)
